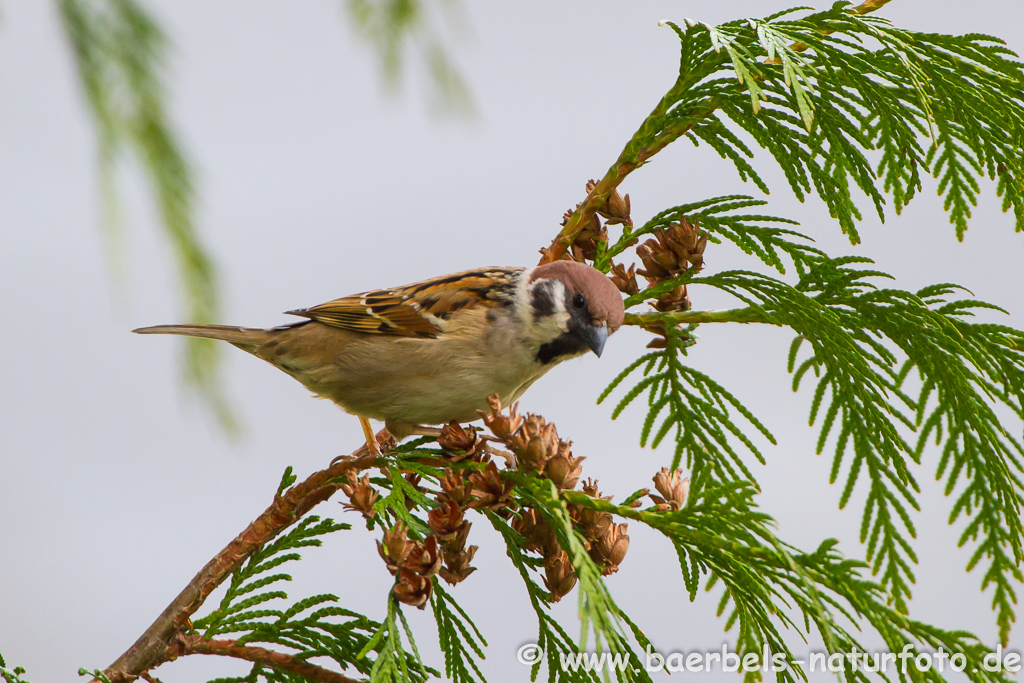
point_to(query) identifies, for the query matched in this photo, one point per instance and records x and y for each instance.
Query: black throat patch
(567, 345)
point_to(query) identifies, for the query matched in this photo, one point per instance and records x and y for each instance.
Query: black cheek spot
(542, 302)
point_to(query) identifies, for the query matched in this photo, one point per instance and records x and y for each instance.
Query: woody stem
(196, 645)
(159, 643)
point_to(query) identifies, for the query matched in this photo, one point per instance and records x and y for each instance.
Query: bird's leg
(371, 439)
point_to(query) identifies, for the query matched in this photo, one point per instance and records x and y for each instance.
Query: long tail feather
(247, 338)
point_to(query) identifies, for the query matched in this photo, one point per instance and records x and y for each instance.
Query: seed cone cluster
(444, 552)
(535, 444)
(673, 489)
(412, 563)
(673, 250)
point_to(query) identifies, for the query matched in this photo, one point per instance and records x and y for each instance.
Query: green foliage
(840, 101)
(863, 342)
(461, 642)
(459, 638)
(120, 53)
(698, 409)
(11, 675)
(753, 233)
(393, 663)
(312, 627)
(392, 27)
(599, 614)
(844, 101)
(552, 639)
(721, 537)
(597, 609)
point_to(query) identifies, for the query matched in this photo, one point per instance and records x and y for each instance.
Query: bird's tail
(245, 338)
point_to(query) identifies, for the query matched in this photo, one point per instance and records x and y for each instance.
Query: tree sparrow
(432, 352)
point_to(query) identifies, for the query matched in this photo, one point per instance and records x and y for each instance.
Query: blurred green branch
(392, 27)
(120, 53)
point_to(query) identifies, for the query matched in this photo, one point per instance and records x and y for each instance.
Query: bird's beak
(595, 337)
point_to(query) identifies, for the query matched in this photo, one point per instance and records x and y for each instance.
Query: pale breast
(411, 380)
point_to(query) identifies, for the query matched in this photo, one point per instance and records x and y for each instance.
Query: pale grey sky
(115, 488)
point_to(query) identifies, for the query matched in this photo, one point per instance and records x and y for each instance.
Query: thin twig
(155, 646)
(868, 6)
(655, 321)
(196, 645)
(624, 165)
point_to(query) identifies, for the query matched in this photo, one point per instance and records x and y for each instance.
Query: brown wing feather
(416, 310)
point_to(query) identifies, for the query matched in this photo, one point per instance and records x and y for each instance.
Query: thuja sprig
(576, 546)
(863, 343)
(13, 674)
(857, 85)
(825, 92)
(460, 640)
(700, 413)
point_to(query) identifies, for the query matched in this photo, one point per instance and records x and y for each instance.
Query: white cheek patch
(552, 326)
(548, 320)
(561, 316)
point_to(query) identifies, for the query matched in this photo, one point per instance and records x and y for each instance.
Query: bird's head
(574, 308)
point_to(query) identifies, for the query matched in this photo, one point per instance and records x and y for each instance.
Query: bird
(432, 352)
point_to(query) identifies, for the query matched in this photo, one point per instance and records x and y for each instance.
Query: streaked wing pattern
(417, 310)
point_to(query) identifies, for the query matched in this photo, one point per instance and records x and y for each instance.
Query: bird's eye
(578, 300)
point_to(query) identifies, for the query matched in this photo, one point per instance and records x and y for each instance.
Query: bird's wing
(421, 309)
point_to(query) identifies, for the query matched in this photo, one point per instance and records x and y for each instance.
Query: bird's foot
(403, 430)
(420, 430)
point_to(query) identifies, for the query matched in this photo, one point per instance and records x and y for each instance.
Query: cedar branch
(156, 645)
(863, 8)
(630, 160)
(196, 645)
